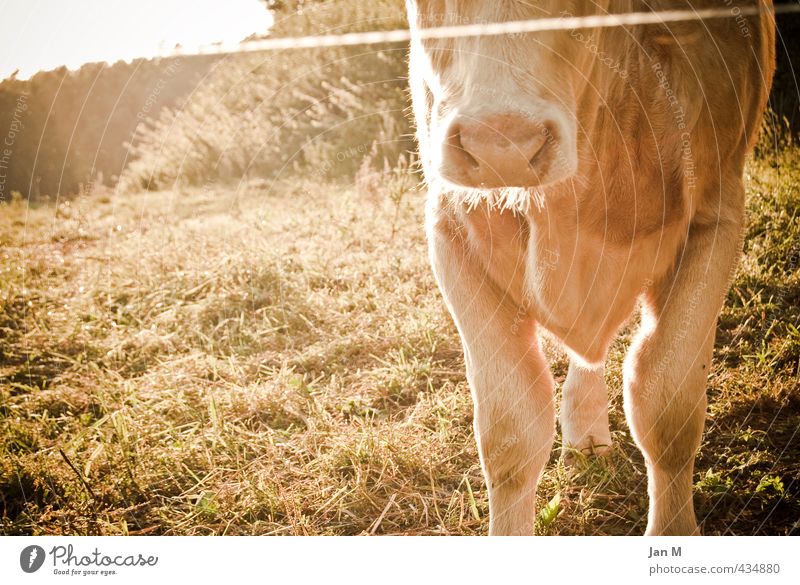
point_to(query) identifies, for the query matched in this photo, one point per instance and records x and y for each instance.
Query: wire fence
(482, 29)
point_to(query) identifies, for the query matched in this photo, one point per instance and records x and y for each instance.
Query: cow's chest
(582, 289)
(579, 285)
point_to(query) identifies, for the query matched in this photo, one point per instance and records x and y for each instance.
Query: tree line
(62, 131)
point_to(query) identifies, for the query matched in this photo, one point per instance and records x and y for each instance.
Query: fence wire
(482, 29)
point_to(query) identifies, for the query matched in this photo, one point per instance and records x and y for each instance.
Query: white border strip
(401, 560)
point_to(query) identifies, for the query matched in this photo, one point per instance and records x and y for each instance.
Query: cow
(578, 179)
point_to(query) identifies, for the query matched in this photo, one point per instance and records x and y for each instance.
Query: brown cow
(574, 175)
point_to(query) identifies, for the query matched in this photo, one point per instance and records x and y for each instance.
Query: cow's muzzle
(502, 150)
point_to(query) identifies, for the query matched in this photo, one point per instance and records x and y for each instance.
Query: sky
(40, 35)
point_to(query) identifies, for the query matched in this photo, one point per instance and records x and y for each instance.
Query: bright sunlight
(38, 35)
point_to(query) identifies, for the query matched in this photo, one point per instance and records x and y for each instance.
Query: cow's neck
(628, 184)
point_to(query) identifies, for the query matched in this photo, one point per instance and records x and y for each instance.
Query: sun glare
(37, 35)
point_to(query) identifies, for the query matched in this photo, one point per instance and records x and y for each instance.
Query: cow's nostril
(457, 150)
(538, 156)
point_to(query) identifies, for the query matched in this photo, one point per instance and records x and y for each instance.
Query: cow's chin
(458, 180)
(517, 198)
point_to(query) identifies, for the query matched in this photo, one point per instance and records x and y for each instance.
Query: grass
(277, 360)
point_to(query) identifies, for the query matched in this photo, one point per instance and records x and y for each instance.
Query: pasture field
(276, 359)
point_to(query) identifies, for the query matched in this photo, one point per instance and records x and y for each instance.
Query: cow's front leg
(667, 367)
(584, 412)
(511, 384)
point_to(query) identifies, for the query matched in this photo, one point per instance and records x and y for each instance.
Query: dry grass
(279, 361)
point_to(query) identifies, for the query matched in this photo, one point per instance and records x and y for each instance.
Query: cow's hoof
(575, 457)
(690, 529)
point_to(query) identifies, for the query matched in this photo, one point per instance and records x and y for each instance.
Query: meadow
(273, 357)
